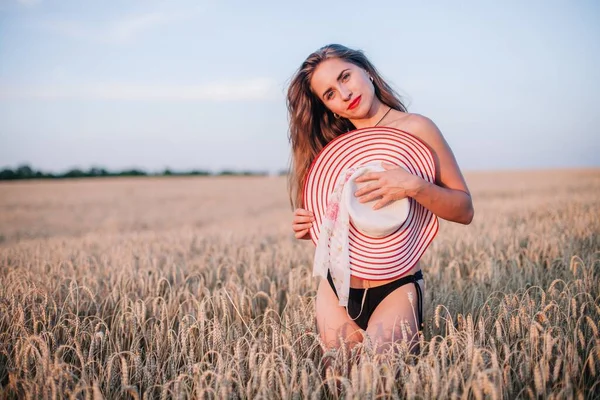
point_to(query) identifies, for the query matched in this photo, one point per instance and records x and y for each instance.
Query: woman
(337, 90)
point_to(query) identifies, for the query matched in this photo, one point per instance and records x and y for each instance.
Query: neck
(378, 109)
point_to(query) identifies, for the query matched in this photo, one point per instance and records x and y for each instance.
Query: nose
(345, 92)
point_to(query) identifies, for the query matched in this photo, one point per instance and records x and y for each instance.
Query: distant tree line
(26, 172)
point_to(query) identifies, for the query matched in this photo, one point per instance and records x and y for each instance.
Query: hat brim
(375, 258)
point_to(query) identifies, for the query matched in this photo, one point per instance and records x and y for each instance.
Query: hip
(359, 283)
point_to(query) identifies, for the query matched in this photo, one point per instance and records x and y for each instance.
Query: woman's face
(344, 88)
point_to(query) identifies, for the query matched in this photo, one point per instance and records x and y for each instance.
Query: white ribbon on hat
(332, 252)
(332, 248)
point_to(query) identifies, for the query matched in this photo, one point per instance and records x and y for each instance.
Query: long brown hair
(312, 124)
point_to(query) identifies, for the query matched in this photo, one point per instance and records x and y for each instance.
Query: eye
(329, 95)
(345, 77)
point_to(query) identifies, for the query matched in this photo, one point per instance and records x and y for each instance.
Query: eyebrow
(338, 78)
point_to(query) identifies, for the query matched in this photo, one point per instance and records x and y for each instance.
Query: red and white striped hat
(375, 258)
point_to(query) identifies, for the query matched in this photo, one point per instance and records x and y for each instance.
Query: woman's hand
(302, 223)
(395, 183)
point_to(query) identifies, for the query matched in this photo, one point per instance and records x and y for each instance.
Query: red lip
(355, 103)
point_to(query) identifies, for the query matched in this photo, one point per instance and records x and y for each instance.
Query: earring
(370, 77)
(336, 116)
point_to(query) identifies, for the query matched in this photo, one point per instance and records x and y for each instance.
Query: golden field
(196, 288)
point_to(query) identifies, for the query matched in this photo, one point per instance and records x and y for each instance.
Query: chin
(364, 109)
(362, 114)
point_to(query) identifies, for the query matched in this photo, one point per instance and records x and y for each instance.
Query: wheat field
(196, 288)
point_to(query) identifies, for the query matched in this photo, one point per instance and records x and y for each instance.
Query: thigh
(332, 319)
(396, 318)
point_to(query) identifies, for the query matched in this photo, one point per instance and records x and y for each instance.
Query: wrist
(417, 186)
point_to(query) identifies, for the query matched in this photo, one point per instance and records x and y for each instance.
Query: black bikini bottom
(374, 296)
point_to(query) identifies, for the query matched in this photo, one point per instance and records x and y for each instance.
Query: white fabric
(332, 252)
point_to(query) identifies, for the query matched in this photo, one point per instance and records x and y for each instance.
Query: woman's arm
(450, 204)
(449, 198)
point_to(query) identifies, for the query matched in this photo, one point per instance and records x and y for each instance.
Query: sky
(202, 84)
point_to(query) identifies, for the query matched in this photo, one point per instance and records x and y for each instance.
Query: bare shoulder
(419, 125)
(448, 173)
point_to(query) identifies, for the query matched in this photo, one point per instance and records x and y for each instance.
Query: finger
(382, 203)
(366, 189)
(297, 227)
(302, 211)
(299, 219)
(369, 176)
(371, 196)
(388, 166)
(301, 234)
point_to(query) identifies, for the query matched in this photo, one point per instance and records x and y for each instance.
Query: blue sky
(201, 84)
